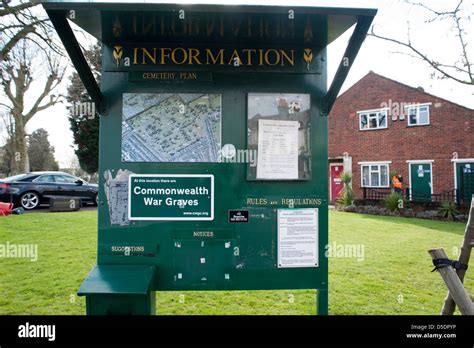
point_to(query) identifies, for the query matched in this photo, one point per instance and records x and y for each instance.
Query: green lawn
(393, 278)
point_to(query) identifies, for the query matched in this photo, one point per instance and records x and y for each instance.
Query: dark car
(35, 188)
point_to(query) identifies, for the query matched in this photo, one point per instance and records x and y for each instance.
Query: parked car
(32, 189)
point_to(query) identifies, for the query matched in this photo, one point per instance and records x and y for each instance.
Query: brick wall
(450, 130)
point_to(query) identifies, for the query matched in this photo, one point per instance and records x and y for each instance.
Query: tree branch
(447, 66)
(7, 10)
(7, 89)
(463, 46)
(47, 89)
(14, 40)
(45, 106)
(7, 106)
(436, 13)
(422, 56)
(12, 26)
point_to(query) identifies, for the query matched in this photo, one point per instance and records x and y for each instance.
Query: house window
(418, 115)
(375, 175)
(373, 119)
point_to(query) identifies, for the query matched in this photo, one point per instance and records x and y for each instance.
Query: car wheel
(96, 200)
(29, 200)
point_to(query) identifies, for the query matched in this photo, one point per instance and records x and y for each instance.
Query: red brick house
(380, 126)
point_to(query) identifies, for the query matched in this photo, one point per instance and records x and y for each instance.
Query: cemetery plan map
(171, 127)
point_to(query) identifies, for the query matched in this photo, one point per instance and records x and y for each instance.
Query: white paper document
(298, 238)
(277, 149)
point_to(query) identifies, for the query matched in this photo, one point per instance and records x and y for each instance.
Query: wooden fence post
(464, 256)
(452, 281)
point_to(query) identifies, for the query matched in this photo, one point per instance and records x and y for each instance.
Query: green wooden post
(322, 302)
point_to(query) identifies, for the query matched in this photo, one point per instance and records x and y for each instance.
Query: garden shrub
(346, 196)
(392, 201)
(448, 210)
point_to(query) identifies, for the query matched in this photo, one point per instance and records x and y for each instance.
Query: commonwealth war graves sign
(171, 197)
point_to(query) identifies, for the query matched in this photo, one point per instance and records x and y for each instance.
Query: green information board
(171, 197)
(213, 145)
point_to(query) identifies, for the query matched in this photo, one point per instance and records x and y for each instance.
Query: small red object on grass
(6, 209)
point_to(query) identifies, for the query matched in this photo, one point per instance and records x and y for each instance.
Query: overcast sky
(436, 40)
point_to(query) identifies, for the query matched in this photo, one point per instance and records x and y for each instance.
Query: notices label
(298, 238)
(277, 149)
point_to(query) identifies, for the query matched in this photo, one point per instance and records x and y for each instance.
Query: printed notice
(277, 149)
(298, 238)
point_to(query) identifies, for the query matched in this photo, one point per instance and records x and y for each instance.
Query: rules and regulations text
(298, 238)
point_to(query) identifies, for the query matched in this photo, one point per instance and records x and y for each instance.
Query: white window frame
(376, 112)
(417, 107)
(379, 164)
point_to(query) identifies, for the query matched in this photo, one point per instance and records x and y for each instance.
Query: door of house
(336, 184)
(421, 182)
(465, 181)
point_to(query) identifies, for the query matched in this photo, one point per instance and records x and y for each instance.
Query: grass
(393, 278)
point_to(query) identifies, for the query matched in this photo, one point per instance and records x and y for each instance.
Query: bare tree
(7, 151)
(24, 21)
(27, 66)
(462, 70)
(29, 56)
